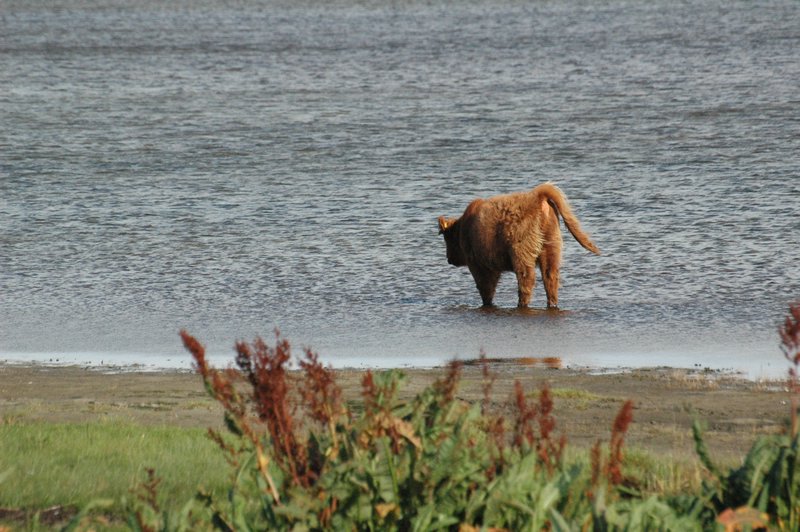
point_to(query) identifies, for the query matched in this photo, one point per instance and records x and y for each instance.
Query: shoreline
(734, 409)
(763, 371)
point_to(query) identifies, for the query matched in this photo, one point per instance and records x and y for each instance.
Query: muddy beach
(735, 410)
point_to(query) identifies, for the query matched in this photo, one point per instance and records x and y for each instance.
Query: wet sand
(736, 411)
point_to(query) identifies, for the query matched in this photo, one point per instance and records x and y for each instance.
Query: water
(232, 167)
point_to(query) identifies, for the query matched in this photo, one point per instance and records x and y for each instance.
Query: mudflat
(735, 410)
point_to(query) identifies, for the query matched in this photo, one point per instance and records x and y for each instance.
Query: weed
(431, 462)
(767, 484)
(437, 462)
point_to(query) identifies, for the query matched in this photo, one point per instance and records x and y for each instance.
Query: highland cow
(513, 232)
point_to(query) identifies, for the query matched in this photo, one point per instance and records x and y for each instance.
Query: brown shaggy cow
(513, 232)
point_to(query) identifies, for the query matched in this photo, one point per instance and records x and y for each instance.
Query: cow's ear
(444, 224)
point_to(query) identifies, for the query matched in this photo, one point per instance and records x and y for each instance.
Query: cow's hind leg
(526, 279)
(549, 264)
(486, 281)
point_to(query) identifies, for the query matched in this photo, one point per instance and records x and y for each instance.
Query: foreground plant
(303, 459)
(766, 488)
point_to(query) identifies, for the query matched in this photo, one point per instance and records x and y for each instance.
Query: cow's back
(498, 231)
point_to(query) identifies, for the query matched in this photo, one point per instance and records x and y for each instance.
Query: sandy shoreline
(735, 410)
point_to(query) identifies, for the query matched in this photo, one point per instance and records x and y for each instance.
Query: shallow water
(230, 168)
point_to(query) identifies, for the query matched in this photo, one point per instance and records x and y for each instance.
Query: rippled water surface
(232, 167)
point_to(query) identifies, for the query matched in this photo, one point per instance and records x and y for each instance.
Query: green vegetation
(580, 399)
(435, 462)
(109, 461)
(186, 461)
(301, 458)
(70, 465)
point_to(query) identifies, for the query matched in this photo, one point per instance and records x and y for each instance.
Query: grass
(70, 465)
(580, 399)
(436, 462)
(665, 475)
(432, 462)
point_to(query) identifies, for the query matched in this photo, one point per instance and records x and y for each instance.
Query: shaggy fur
(513, 232)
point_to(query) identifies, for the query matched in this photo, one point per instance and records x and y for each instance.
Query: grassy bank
(70, 465)
(69, 436)
(461, 447)
(437, 461)
(67, 466)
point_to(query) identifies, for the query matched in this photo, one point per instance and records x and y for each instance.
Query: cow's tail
(559, 202)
